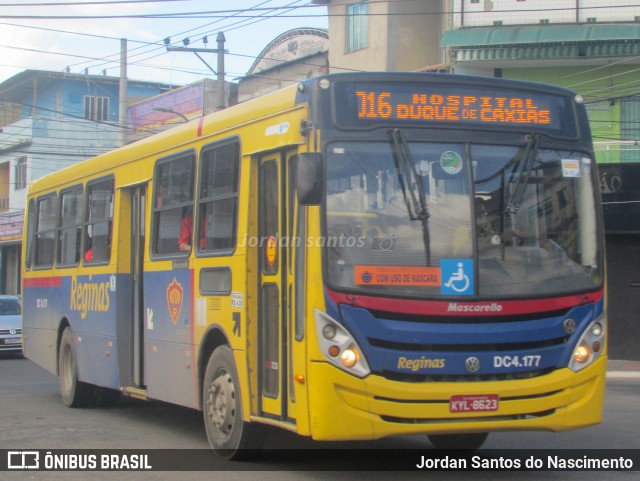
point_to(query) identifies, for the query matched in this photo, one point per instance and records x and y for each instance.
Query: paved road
(32, 417)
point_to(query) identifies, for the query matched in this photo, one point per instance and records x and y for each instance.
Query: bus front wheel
(73, 392)
(468, 441)
(229, 436)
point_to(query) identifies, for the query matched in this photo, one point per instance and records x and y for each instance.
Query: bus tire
(467, 441)
(73, 392)
(229, 436)
(106, 398)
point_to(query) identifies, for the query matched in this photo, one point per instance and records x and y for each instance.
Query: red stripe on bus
(459, 307)
(43, 282)
(200, 122)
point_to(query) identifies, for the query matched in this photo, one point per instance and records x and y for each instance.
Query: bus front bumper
(343, 407)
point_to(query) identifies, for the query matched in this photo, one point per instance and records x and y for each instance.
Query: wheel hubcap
(221, 404)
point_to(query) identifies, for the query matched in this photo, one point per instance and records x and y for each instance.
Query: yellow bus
(354, 257)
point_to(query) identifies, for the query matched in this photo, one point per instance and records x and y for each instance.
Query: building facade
(49, 120)
(385, 36)
(293, 56)
(587, 46)
(166, 110)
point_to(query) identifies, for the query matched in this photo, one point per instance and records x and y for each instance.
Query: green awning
(540, 34)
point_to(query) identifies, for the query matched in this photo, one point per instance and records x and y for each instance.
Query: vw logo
(13, 332)
(472, 364)
(569, 326)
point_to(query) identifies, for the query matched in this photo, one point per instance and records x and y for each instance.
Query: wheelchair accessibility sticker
(457, 277)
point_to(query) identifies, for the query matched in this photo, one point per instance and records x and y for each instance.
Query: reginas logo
(421, 363)
(89, 296)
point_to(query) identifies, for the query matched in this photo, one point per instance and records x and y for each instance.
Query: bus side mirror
(309, 179)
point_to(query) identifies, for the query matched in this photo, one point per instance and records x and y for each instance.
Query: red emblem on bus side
(174, 299)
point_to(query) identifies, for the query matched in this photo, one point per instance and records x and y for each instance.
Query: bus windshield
(518, 218)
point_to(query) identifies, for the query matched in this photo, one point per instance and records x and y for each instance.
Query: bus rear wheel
(468, 441)
(73, 392)
(229, 436)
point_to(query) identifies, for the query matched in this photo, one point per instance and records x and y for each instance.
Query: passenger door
(274, 290)
(130, 326)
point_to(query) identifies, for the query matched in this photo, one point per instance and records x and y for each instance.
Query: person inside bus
(186, 231)
(88, 245)
(160, 195)
(88, 255)
(102, 250)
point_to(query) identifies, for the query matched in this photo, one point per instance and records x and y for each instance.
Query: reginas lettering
(89, 297)
(422, 363)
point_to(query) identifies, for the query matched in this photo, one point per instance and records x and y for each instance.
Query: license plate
(13, 340)
(475, 403)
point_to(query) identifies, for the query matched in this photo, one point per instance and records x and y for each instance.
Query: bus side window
(31, 220)
(45, 231)
(218, 197)
(70, 227)
(98, 222)
(174, 181)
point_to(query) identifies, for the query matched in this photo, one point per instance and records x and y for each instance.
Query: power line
(107, 61)
(72, 118)
(182, 70)
(225, 13)
(269, 9)
(261, 18)
(158, 46)
(226, 28)
(161, 47)
(74, 4)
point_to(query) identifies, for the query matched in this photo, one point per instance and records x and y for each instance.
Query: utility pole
(221, 86)
(122, 96)
(220, 51)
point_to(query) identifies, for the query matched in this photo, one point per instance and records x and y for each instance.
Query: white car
(10, 324)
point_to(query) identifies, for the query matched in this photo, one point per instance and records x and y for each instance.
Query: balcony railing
(487, 13)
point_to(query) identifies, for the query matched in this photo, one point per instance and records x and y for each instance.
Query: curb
(623, 375)
(623, 369)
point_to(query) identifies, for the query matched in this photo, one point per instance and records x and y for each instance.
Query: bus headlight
(349, 357)
(339, 347)
(581, 354)
(589, 347)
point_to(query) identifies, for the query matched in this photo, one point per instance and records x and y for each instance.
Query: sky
(85, 34)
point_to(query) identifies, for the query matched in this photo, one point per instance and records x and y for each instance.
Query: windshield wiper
(411, 184)
(521, 175)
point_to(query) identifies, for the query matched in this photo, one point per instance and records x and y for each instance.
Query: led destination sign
(521, 110)
(368, 104)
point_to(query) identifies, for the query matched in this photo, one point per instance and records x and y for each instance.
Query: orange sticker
(271, 250)
(397, 276)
